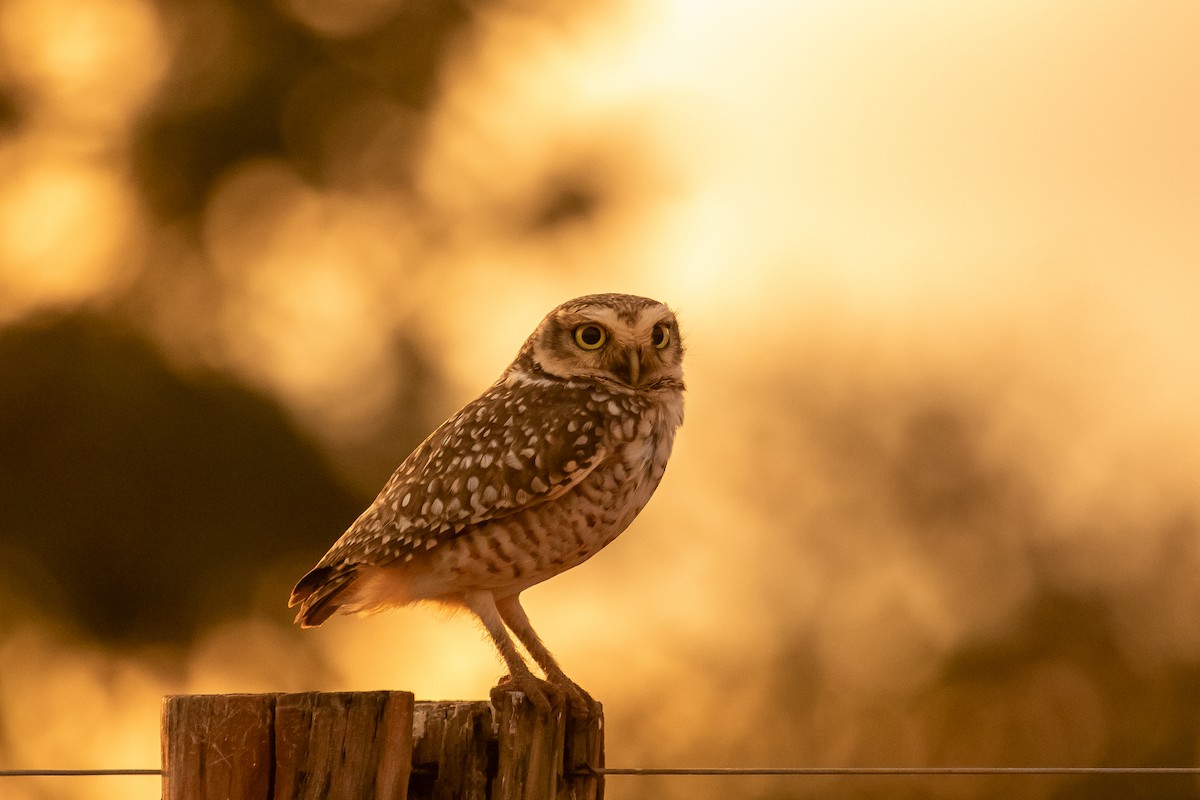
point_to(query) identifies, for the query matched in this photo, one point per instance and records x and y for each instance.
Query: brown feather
(318, 593)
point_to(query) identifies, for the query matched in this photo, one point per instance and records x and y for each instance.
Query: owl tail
(319, 594)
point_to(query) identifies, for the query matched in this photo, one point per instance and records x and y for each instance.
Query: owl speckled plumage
(531, 478)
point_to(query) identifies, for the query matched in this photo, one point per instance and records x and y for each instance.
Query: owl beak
(635, 367)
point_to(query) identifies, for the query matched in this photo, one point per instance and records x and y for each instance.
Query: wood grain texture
(287, 746)
(377, 746)
(343, 744)
(454, 751)
(534, 761)
(217, 747)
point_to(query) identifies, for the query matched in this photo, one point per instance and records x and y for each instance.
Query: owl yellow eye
(590, 337)
(661, 335)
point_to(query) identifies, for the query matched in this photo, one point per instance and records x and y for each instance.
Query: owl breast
(511, 553)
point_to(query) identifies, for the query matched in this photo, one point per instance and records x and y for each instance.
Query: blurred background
(936, 501)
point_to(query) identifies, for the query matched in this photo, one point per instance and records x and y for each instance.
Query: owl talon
(543, 694)
(553, 692)
(581, 703)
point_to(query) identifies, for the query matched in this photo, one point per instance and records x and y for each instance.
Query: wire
(73, 773)
(901, 771)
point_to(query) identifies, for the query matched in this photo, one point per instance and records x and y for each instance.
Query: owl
(531, 478)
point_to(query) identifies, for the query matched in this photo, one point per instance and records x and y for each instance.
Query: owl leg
(538, 691)
(515, 618)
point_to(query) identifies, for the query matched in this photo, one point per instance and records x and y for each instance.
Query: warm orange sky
(890, 159)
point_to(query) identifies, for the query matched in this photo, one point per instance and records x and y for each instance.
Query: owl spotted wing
(504, 452)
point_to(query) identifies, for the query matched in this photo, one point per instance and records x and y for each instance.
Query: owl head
(632, 342)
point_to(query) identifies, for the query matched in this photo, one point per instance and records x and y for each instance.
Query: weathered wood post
(544, 757)
(378, 745)
(287, 746)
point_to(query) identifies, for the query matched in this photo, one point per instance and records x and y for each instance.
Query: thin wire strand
(73, 773)
(728, 771)
(902, 771)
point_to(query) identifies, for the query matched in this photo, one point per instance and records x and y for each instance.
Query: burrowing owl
(531, 478)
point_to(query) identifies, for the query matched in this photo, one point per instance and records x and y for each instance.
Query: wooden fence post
(545, 756)
(287, 746)
(217, 746)
(453, 751)
(377, 746)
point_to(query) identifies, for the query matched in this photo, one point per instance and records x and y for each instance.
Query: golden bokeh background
(936, 501)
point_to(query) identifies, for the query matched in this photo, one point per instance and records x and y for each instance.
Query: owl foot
(582, 704)
(543, 694)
